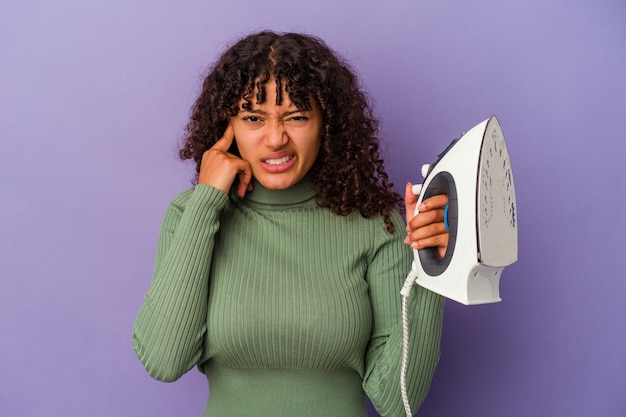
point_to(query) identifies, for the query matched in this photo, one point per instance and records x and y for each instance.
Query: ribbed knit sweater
(288, 308)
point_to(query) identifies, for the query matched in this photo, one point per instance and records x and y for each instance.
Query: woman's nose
(276, 135)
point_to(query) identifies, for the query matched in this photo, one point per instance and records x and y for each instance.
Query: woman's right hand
(427, 228)
(219, 168)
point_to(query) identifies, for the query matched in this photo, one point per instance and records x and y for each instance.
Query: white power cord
(406, 291)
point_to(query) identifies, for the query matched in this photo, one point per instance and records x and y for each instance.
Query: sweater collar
(299, 195)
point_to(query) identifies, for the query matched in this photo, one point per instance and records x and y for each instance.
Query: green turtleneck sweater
(287, 308)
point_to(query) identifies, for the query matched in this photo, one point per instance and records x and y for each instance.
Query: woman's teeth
(278, 161)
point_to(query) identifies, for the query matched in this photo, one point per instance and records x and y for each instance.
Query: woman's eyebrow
(264, 113)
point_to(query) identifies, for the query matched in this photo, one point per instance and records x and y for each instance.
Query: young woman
(279, 273)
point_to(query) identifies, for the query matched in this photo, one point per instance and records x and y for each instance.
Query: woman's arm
(386, 274)
(169, 330)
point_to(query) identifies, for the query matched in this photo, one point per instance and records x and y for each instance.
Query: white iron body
(475, 173)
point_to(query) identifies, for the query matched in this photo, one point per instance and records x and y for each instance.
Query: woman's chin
(277, 181)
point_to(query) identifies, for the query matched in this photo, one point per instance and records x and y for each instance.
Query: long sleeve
(383, 359)
(288, 308)
(169, 330)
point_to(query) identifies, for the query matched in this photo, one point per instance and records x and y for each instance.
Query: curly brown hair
(348, 174)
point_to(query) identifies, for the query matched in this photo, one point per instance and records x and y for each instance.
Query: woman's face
(280, 142)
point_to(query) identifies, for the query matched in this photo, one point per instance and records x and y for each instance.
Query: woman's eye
(299, 118)
(252, 119)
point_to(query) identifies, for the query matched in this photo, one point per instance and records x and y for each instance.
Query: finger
(220, 169)
(410, 201)
(436, 241)
(434, 202)
(425, 218)
(245, 180)
(223, 144)
(426, 232)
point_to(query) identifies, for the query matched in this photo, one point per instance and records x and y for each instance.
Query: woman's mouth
(278, 164)
(278, 161)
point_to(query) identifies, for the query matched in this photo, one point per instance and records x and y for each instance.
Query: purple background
(94, 95)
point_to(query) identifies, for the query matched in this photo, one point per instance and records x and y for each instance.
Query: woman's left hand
(427, 228)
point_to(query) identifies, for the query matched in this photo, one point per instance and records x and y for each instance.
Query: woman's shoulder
(377, 226)
(201, 193)
(180, 200)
